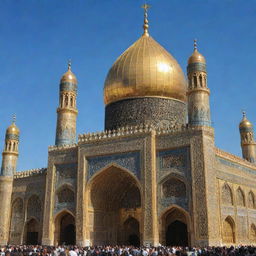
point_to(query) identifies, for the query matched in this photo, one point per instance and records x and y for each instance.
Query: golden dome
(196, 56)
(245, 123)
(69, 76)
(13, 129)
(145, 69)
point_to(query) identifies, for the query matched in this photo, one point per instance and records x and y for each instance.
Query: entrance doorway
(32, 232)
(114, 194)
(65, 231)
(177, 234)
(175, 229)
(132, 232)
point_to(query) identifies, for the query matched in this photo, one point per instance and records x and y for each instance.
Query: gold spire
(145, 25)
(245, 123)
(195, 44)
(14, 119)
(69, 64)
(196, 56)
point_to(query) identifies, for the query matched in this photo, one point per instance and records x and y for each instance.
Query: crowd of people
(25, 250)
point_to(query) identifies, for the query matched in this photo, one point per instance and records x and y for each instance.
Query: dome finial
(244, 114)
(69, 64)
(14, 119)
(145, 25)
(195, 44)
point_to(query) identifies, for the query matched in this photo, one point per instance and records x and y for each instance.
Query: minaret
(67, 111)
(198, 92)
(247, 139)
(8, 169)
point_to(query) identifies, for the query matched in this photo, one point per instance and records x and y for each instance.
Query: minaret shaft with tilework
(198, 91)
(8, 169)
(67, 111)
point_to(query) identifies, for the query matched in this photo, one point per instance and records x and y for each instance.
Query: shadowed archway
(175, 227)
(32, 232)
(114, 194)
(65, 229)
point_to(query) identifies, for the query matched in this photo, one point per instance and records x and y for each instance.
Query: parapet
(30, 173)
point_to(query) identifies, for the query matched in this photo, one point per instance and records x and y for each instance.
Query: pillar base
(47, 241)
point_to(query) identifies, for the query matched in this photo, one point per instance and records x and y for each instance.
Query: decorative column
(150, 225)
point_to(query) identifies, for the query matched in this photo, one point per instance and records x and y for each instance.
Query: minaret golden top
(245, 123)
(145, 25)
(196, 56)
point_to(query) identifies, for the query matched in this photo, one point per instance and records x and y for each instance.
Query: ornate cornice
(62, 148)
(234, 158)
(130, 131)
(29, 173)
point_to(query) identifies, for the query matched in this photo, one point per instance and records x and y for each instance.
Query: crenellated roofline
(29, 173)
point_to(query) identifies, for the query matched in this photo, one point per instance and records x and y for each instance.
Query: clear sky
(37, 37)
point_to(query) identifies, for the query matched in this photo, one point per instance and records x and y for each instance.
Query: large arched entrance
(65, 231)
(114, 207)
(32, 231)
(175, 228)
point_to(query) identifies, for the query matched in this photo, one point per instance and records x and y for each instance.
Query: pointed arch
(65, 194)
(112, 193)
(31, 234)
(173, 186)
(34, 207)
(228, 231)
(240, 198)
(17, 220)
(251, 200)
(227, 195)
(64, 228)
(175, 226)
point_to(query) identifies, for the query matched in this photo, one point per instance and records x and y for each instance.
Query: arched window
(195, 81)
(16, 221)
(201, 80)
(66, 195)
(227, 197)
(228, 231)
(240, 197)
(66, 100)
(34, 207)
(251, 200)
(71, 101)
(174, 187)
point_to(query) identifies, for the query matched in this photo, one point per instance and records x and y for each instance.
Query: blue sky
(39, 36)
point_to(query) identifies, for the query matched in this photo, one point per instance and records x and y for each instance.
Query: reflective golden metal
(245, 123)
(13, 129)
(145, 69)
(196, 56)
(69, 75)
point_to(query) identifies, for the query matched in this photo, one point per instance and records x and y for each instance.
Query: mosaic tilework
(130, 161)
(66, 86)
(154, 111)
(235, 165)
(196, 67)
(177, 159)
(12, 137)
